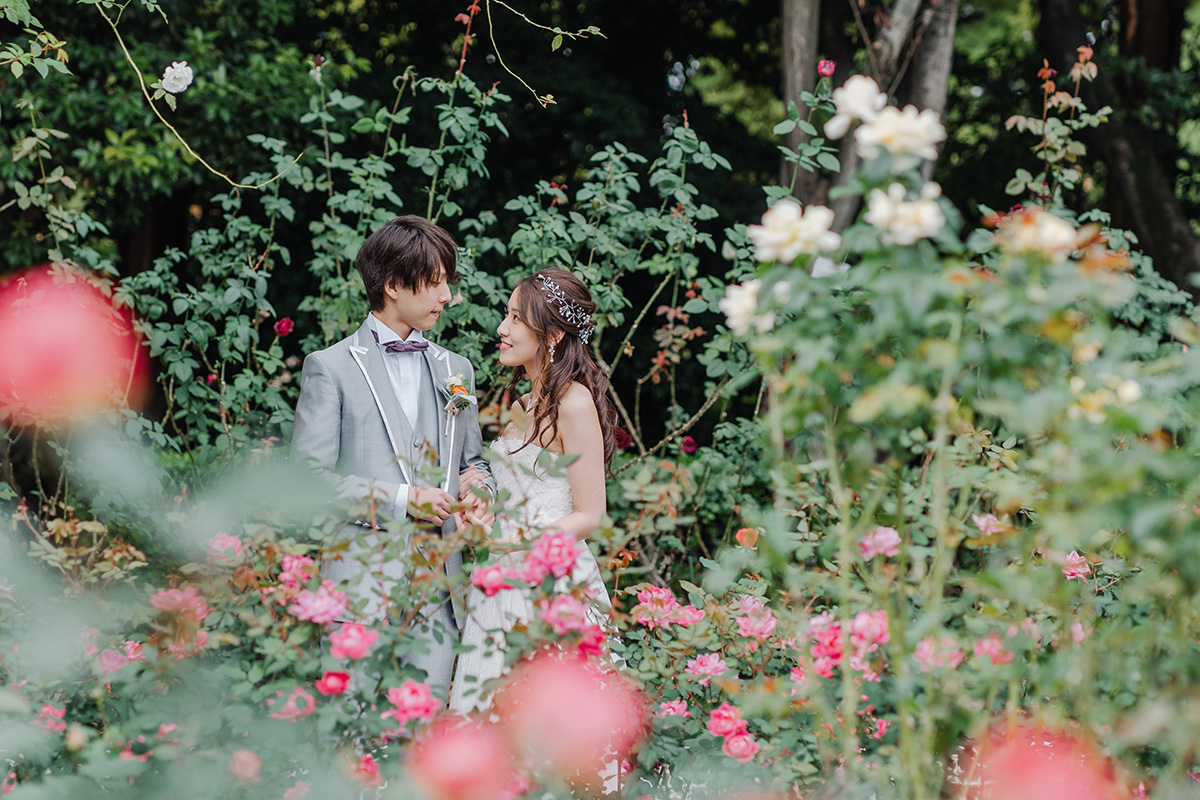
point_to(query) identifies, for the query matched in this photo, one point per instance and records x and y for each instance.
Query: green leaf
(785, 127)
(556, 43)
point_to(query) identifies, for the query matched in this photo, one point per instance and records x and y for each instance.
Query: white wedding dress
(535, 501)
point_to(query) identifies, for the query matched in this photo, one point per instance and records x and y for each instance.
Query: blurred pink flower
(749, 604)
(881, 541)
(726, 720)
(365, 771)
(989, 525)
(943, 653)
(491, 579)
(591, 642)
(1078, 633)
(111, 661)
(50, 718)
(245, 765)
(741, 747)
(993, 648)
(186, 646)
(224, 548)
(674, 708)
(563, 613)
(825, 68)
(688, 445)
(462, 761)
(758, 625)
(869, 628)
(333, 683)
(133, 650)
(185, 602)
(322, 606)
(572, 714)
(556, 552)
(411, 700)
(688, 615)
(706, 666)
(297, 790)
(1077, 567)
(351, 641)
(87, 639)
(298, 704)
(1035, 763)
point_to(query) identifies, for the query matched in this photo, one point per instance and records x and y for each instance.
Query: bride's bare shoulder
(577, 403)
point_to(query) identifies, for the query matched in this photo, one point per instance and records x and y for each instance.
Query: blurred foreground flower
(573, 716)
(463, 761)
(909, 135)
(1032, 762)
(788, 231)
(66, 350)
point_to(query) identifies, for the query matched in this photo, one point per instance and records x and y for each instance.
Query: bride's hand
(468, 478)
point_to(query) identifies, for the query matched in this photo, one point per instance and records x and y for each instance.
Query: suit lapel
(438, 361)
(366, 354)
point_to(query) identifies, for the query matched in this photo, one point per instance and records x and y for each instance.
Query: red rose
(825, 68)
(284, 326)
(688, 445)
(624, 440)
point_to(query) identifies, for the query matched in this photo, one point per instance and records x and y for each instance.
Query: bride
(543, 338)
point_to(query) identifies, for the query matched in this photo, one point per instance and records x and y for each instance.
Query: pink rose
(687, 616)
(989, 525)
(706, 667)
(825, 68)
(1077, 567)
(869, 628)
(50, 718)
(87, 639)
(688, 445)
(1078, 633)
(412, 701)
(930, 654)
(881, 541)
(224, 548)
(365, 771)
(556, 551)
(749, 604)
(185, 602)
(563, 613)
(322, 606)
(656, 607)
(284, 326)
(244, 765)
(726, 720)
(674, 708)
(591, 641)
(133, 650)
(741, 747)
(993, 648)
(352, 641)
(759, 625)
(295, 569)
(491, 579)
(333, 683)
(746, 537)
(297, 790)
(464, 761)
(298, 704)
(111, 661)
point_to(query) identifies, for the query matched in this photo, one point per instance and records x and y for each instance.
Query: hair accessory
(571, 312)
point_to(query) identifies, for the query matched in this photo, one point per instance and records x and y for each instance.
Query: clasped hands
(431, 504)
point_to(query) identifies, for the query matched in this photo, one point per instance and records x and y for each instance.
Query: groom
(371, 416)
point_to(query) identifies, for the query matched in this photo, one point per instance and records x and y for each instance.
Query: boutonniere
(457, 397)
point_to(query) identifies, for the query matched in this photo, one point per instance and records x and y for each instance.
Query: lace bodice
(535, 497)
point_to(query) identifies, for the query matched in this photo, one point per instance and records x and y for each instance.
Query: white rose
(740, 305)
(902, 221)
(177, 77)
(789, 231)
(908, 134)
(859, 98)
(1037, 231)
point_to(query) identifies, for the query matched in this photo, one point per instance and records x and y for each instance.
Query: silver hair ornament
(571, 312)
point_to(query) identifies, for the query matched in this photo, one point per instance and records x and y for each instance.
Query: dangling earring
(552, 352)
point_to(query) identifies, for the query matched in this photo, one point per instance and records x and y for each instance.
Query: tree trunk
(1141, 189)
(932, 63)
(800, 22)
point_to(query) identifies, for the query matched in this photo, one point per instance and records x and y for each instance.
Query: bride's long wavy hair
(572, 360)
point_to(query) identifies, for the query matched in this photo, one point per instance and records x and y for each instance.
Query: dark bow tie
(399, 346)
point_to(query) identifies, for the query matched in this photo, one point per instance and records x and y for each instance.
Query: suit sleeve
(317, 436)
(472, 449)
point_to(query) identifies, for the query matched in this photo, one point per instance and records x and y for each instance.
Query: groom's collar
(387, 335)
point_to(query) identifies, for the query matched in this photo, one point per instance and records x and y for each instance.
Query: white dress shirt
(404, 373)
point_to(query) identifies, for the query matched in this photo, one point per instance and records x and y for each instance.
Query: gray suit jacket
(351, 430)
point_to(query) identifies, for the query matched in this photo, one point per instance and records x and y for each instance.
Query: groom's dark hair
(409, 251)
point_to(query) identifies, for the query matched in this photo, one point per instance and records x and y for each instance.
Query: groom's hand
(429, 503)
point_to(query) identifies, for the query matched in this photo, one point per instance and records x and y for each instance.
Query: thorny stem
(150, 101)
